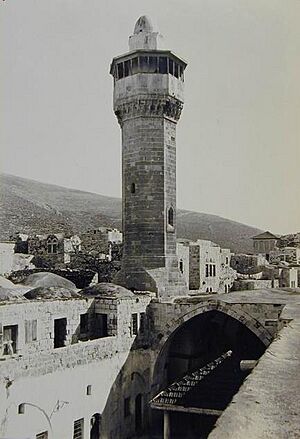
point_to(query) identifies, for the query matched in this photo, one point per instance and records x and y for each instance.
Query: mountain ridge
(31, 206)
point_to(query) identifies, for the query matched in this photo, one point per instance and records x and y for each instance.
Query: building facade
(205, 266)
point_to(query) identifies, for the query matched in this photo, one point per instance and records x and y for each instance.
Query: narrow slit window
(171, 66)
(171, 217)
(132, 188)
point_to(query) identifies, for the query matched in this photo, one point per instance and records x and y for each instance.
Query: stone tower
(148, 99)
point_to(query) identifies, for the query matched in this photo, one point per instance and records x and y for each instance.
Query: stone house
(54, 248)
(285, 254)
(99, 242)
(264, 243)
(205, 266)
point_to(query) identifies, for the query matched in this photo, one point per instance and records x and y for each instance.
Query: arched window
(52, 245)
(171, 216)
(132, 188)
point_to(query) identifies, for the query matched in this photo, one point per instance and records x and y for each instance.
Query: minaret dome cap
(143, 24)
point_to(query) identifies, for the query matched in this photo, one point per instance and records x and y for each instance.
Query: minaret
(148, 99)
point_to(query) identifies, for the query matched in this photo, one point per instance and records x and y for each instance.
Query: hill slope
(32, 207)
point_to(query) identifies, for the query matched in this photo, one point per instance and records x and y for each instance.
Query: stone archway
(199, 336)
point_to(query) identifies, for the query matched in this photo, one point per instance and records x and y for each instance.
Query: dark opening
(138, 413)
(144, 64)
(171, 216)
(171, 66)
(95, 426)
(153, 67)
(60, 332)
(163, 65)
(135, 65)
(195, 344)
(142, 321)
(21, 409)
(120, 71)
(126, 407)
(134, 324)
(132, 188)
(127, 68)
(100, 326)
(181, 265)
(84, 323)
(10, 338)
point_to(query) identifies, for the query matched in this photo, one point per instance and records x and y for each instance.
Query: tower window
(152, 64)
(171, 217)
(120, 71)
(127, 68)
(171, 66)
(132, 188)
(162, 65)
(144, 64)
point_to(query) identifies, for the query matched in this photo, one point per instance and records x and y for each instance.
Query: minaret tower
(148, 99)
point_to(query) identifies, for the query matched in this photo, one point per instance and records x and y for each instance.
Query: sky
(238, 139)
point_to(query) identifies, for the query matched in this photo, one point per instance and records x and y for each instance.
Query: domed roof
(5, 283)
(45, 279)
(143, 24)
(104, 289)
(52, 293)
(10, 294)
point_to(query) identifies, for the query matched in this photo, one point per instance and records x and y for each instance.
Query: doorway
(95, 426)
(138, 415)
(60, 332)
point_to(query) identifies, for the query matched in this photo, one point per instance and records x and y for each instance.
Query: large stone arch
(175, 324)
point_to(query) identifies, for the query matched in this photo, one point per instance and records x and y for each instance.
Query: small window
(30, 330)
(210, 270)
(78, 429)
(134, 324)
(227, 260)
(142, 321)
(181, 265)
(162, 68)
(126, 407)
(10, 339)
(214, 270)
(43, 435)
(171, 216)
(132, 188)
(207, 270)
(21, 409)
(89, 389)
(84, 323)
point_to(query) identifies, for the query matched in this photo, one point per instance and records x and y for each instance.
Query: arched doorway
(95, 426)
(195, 343)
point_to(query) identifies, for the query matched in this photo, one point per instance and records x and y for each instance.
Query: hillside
(32, 207)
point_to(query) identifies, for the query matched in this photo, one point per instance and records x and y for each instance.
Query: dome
(52, 293)
(105, 289)
(143, 24)
(45, 279)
